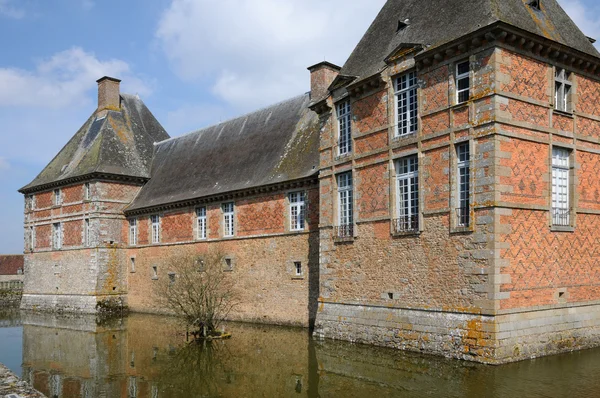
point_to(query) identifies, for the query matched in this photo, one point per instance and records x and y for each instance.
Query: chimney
(321, 77)
(109, 96)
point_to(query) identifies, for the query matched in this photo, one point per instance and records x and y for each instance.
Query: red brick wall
(373, 191)
(72, 233)
(44, 200)
(531, 81)
(528, 169)
(262, 215)
(43, 236)
(177, 227)
(435, 92)
(72, 194)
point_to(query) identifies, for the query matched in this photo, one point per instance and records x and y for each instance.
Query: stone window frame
(87, 232)
(290, 207)
(197, 218)
(569, 225)
(133, 231)
(87, 192)
(563, 79)
(294, 269)
(228, 263)
(348, 119)
(29, 202)
(132, 260)
(155, 220)
(57, 236)
(31, 237)
(396, 93)
(461, 76)
(154, 272)
(345, 232)
(394, 193)
(57, 198)
(454, 186)
(224, 215)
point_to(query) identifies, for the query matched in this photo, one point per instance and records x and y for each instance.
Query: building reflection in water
(147, 356)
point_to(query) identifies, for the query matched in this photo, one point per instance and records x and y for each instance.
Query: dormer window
(402, 25)
(536, 5)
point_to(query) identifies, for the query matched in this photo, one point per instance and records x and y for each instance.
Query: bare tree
(197, 290)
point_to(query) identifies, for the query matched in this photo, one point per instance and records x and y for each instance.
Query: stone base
(78, 304)
(480, 338)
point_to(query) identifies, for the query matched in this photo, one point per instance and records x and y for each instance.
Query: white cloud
(63, 80)
(585, 17)
(256, 52)
(7, 9)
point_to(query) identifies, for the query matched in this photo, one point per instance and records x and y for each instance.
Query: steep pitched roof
(432, 23)
(10, 265)
(119, 144)
(273, 145)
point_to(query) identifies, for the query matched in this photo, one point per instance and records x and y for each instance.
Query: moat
(147, 356)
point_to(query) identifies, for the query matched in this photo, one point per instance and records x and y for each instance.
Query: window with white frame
(29, 203)
(297, 211)
(87, 191)
(57, 197)
(133, 233)
(31, 238)
(344, 117)
(201, 222)
(463, 184)
(560, 187)
(562, 90)
(228, 214)
(298, 268)
(345, 205)
(463, 81)
(155, 219)
(57, 235)
(86, 232)
(406, 104)
(407, 194)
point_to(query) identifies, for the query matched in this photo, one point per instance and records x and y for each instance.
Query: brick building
(438, 193)
(11, 268)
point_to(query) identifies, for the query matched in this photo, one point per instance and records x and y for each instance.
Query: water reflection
(147, 356)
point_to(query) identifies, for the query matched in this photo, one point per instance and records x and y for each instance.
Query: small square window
(228, 265)
(298, 268)
(154, 272)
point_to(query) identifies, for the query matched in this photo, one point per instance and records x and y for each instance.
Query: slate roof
(432, 23)
(120, 144)
(273, 145)
(10, 265)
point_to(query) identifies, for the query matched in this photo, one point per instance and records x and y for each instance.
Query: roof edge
(91, 176)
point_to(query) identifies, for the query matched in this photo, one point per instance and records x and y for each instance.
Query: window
(345, 206)
(133, 231)
(463, 184)
(154, 272)
(57, 197)
(463, 81)
(57, 236)
(535, 4)
(201, 222)
(297, 211)
(132, 264)
(406, 104)
(560, 187)
(344, 117)
(298, 268)
(86, 191)
(29, 203)
(228, 264)
(31, 238)
(407, 177)
(228, 213)
(155, 219)
(562, 93)
(171, 277)
(86, 232)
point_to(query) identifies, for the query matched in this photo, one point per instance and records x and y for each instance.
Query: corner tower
(74, 207)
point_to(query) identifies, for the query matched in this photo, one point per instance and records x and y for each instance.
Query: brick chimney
(109, 96)
(321, 77)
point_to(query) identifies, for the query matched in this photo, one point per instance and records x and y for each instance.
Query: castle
(438, 193)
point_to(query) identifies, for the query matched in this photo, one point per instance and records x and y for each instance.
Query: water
(147, 356)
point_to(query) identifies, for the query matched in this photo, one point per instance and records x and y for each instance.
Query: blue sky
(193, 62)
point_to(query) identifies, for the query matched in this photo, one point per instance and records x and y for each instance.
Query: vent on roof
(591, 39)
(402, 25)
(536, 4)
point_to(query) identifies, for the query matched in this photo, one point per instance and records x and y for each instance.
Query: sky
(193, 62)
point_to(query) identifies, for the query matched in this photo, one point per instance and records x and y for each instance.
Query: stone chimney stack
(321, 77)
(109, 95)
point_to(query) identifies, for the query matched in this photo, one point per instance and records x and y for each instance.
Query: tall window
(297, 211)
(56, 236)
(463, 184)
(201, 222)
(155, 228)
(57, 197)
(86, 232)
(344, 117)
(345, 205)
(228, 214)
(86, 191)
(406, 104)
(31, 238)
(133, 232)
(560, 187)
(407, 175)
(463, 81)
(562, 93)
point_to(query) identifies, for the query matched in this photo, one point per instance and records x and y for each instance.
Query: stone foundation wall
(83, 304)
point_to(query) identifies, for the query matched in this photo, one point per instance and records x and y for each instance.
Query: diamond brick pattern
(589, 96)
(528, 169)
(372, 142)
(562, 123)
(588, 127)
(435, 89)
(529, 113)
(436, 180)
(436, 123)
(260, 216)
(371, 112)
(374, 197)
(528, 77)
(589, 180)
(542, 261)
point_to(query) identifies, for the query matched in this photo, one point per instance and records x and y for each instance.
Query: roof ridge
(232, 119)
